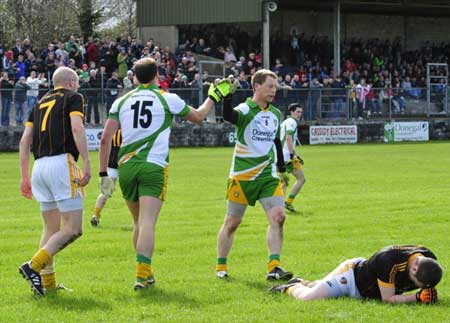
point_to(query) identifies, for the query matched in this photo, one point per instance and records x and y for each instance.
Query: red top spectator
(349, 66)
(92, 52)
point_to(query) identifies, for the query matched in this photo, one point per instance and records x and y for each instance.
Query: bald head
(65, 77)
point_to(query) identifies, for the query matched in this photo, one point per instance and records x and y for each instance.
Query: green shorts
(248, 192)
(142, 179)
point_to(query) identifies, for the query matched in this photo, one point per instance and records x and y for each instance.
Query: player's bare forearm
(24, 152)
(79, 136)
(105, 149)
(290, 144)
(198, 115)
(388, 295)
(401, 299)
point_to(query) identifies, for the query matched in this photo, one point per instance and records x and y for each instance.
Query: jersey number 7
(49, 106)
(142, 114)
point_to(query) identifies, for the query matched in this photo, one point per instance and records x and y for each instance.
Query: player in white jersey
(144, 116)
(253, 175)
(294, 163)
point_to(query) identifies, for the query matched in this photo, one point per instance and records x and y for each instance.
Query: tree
(88, 17)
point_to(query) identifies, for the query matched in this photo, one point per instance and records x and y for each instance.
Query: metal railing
(319, 103)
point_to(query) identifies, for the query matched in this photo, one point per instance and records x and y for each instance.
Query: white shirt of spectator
(34, 85)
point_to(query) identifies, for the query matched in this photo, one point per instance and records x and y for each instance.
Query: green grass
(357, 198)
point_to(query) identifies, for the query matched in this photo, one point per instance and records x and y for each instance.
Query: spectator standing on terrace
(6, 91)
(61, 52)
(362, 89)
(43, 85)
(50, 48)
(122, 62)
(339, 95)
(229, 56)
(33, 93)
(128, 81)
(397, 97)
(49, 64)
(20, 67)
(107, 58)
(20, 98)
(7, 63)
(113, 86)
(201, 48)
(243, 82)
(18, 49)
(316, 88)
(92, 95)
(93, 51)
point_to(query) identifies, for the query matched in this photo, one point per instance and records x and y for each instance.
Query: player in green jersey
(294, 163)
(253, 176)
(144, 116)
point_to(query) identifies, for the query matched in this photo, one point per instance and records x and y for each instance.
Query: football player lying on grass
(385, 276)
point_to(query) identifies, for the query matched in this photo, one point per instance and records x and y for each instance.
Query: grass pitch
(357, 199)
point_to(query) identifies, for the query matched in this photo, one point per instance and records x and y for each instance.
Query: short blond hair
(261, 75)
(63, 75)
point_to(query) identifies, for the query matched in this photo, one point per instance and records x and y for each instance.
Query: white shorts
(341, 281)
(56, 178)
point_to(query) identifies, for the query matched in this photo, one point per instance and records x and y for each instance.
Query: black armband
(103, 174)
(228, 113)
(280, 158)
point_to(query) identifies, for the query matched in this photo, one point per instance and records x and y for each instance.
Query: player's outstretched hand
(106, 186)
(223, 89)
(427, 295)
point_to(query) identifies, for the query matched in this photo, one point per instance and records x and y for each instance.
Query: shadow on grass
(302, 213)
(160, 296)
(259, 284)
(75, 303)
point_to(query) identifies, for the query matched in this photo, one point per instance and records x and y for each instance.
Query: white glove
(106, 186)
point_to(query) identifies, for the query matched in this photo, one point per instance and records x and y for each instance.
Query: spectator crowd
(372, 70)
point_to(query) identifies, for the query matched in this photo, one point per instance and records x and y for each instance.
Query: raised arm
(229, 114)
(200, 114)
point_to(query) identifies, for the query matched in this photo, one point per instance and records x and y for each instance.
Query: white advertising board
(333, 135)
(93, 138)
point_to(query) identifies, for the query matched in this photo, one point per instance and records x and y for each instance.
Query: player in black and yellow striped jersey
(386, 276)
(56, 136)
(112, 172)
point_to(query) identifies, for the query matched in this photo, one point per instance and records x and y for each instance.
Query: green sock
(143, 259)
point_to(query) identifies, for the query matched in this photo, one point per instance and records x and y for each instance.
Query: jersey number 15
(142, 114)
